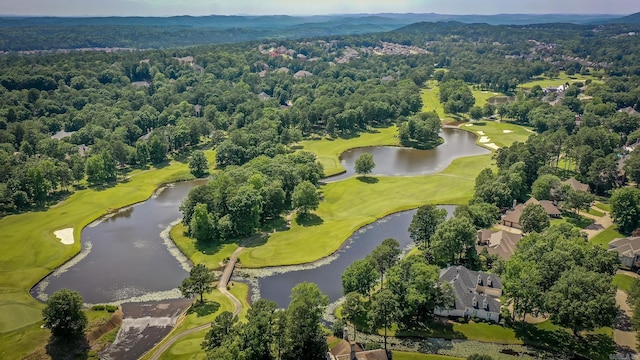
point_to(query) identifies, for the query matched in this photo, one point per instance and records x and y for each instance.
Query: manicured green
(431, 101)
(606, 236)
(595, 212)
(495, 131)
(401, 355)
(328, 150)
(30, 250)
(623, 282)
(603, 206)
(561, 79)
(351, 204)
(212, 254)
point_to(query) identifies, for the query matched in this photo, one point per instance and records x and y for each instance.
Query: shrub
(111, 308)
(98, 307)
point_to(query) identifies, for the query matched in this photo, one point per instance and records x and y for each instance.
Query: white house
(476, 294)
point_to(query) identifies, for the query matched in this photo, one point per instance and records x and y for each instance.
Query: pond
(124, 257)
(128, 257)
(393, 160)
(327, 273)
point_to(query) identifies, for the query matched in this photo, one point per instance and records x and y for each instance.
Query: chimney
(345, 333)
(353, 351)
(514, 203)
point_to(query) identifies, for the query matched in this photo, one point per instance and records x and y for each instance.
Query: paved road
(222, 286)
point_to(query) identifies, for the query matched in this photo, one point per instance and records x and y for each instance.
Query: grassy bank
(353, 203)
(606, 236)
(30, 250)
(501, 134)
(328, 150)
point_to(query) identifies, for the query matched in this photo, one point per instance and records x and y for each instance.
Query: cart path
(222, 286)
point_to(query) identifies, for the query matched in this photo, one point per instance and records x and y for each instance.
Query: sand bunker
(492, 146)
(480, 132)
(468, 124)
(65, 236)
(507, 131)
(484, 139)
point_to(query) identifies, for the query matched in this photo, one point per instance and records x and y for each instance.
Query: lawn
(352, 203)
(606, 236)
(501, 134)
(328, 150)
(189, 346)
(623, 282)
(401, 355)
(595, 212)
(431, 101)
(603, 206)
(30, 250)
(561, 79)
(212, 254)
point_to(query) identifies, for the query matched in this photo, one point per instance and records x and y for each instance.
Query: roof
(343, 347)
(576, 185)
(548, 206)
(302, 74)
(630, 110)
(501, 243)
(264, 96)
(62, 134)
(514, 215)
(629, 246)
(465, 282)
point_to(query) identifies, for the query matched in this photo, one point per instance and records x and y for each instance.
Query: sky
(310, 7)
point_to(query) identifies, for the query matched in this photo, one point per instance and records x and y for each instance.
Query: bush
(338, 328)
(111, 308)
(98, 307)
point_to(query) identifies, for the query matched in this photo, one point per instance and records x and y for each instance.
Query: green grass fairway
(606, 236)
(401, 355)
(328, 151)
(431, 101)
(623, 282)
(561, 79)
(30, 250)
(351, 204)
(495, 131)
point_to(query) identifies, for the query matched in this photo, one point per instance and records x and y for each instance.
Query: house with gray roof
(476, 294)
(628, 250)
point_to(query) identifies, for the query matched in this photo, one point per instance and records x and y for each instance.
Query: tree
(199, 282)
(632, 167)
(579, 200)
(360, 277)
(522, 285)
(352, 309)
(534, 218)
(582, 300)
(257, 334)
(452, 239)
(305, 337)
(63, 314)
(483, 215)
(476, 113)
(385, 256)
(305, 197)
(383, 311)
(424, 223)
(364, 164)
(625, 209)
(543, 186)
(198, 164)
(221, 329)
(201, 226)
(157, 149)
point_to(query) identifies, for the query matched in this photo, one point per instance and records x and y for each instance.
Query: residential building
(501, 243)
(512, 217)
(628, 250)
(476, 294)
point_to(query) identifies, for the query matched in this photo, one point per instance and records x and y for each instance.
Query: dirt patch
(114, 322)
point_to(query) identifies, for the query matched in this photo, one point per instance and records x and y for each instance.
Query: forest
(94, 119)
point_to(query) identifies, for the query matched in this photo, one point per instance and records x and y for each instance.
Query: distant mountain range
(278, 21)
(48, 33)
